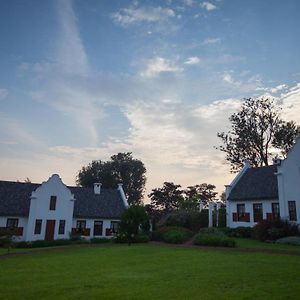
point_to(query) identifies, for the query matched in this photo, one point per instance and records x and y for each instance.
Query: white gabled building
(269, 192)
(52, 210)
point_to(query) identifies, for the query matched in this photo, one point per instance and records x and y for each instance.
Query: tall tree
(167, 198)
(121, 168)
(256, 131)
(203, 192)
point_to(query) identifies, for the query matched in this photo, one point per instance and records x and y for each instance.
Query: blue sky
(83, 80)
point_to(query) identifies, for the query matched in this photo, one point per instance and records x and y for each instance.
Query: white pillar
(210, 214)
(218, 206)
(200, 206)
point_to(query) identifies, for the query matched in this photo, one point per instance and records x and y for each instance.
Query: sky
(83, 80)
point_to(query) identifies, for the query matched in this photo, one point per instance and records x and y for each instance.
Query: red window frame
(62, 225)
(292, 210)
(257, 212)
(12, 223)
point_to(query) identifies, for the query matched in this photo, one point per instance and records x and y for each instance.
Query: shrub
(139, 238)
(175, 237)
(172, 234)
(212, 239)
(187, 219)
(273, 230)
(289, 240)
(240, 232)
(134, 221)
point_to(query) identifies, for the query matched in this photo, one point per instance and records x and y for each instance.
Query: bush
(240, 232)
(187, 219)
(273, 230)
(289, 240)
(214, 239)
(172, 234)
(139, 238)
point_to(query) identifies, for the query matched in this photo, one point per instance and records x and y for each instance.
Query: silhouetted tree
(203, 192)
(167, 198)
(256, 129)
(120, 168)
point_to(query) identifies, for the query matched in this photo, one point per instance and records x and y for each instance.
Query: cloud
(194, 60)
(208, 41)
(188, 2)
(159, 65)
(278, 88)
(208, 6)
(3, 93)
(133, 14)
(291, 104)
(227, 77)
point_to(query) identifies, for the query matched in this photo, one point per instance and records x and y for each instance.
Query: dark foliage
(203, 192)
(255, 130)
(172, 234)
(121, 168)
(134, 221)
(167, 198)
(240, 232)
(213, 237)
(187, 219)
(273, 230)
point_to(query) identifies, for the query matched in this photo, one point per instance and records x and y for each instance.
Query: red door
(50, 226)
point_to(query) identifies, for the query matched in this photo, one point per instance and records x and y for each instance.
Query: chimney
(97, 188)
(120, 189)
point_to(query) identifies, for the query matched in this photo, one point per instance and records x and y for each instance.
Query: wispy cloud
(208, 41)
(134, 14)
(208, 6)
(3, 93)
(189, 2)
(159, 65)
(194, 60)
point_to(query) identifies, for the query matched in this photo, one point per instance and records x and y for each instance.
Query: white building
(269, 192)
(52, 210)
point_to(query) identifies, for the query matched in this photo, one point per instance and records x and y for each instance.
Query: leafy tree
(167, 198)
(133, 221)
(203, 192)
(256, 129)
(120, 168)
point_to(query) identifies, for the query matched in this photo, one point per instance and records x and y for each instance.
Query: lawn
(148, 272)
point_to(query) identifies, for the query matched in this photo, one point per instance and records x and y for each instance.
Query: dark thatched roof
(15, 201)
(256, 184)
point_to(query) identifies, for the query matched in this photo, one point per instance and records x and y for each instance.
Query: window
(257, 212)
(275, 211)
(12, 223)
(114, 226)
(81, 224)
(38, 226)
(52, 202)
(98, 227)
(292, 210)
(61, 228)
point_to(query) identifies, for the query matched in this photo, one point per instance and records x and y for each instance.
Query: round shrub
(214, 239)
(172, 234)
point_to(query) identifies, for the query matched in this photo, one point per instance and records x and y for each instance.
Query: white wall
(23, 221)
(232, 208)
(289, 181)
(39, 208)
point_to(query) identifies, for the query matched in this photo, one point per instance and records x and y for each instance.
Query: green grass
(148, 272)
(251, 243)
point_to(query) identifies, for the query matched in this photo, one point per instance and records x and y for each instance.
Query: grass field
(148, 272)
